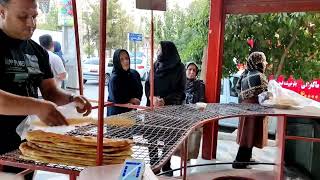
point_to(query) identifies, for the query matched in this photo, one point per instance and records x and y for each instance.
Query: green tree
(186, 29)
(289, 40)
(118, 25)
(51, 20)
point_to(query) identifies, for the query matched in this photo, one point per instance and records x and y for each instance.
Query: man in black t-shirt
(24, 67)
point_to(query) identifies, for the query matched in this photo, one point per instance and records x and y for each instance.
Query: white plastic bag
(69, 111)
(279, 97)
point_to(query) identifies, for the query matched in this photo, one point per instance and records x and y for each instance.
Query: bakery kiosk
(166, 129)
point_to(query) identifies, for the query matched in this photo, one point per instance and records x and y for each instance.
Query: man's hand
(134, 101)
(49, 114)
(157, 101)
(83, 105)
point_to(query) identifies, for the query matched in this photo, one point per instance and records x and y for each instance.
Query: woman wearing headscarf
(252, 131)
(169, 85)
(169, 76)
(57, 50)
(124, 84)
(194, 88)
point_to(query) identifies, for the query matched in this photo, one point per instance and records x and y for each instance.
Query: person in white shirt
(56, 63)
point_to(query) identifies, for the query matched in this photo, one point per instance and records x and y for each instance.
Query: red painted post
(102, 58)
(213, 74)
(76, 33)
(281, 138)
(151, 76)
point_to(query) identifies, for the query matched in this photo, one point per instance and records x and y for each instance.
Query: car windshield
(94, 61)
(138, 61)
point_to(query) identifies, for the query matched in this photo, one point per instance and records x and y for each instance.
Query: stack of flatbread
(75, 151)
(119, 121)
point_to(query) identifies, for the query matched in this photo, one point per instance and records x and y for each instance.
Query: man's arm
(51, 92)
(11, 104)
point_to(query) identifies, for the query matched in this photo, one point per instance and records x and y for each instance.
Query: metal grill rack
(14, 157)
(157, 134)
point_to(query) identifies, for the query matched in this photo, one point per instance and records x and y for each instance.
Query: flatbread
(39, 135)
(74, 148)
(121, 121)
(66, 161)
(57, 161)
(63, 152)
(37, 154)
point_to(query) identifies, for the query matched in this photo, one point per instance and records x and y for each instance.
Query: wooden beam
(270, 6)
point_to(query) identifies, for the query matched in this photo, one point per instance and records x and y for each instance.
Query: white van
(228, 94)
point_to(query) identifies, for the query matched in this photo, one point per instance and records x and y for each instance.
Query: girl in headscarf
(169, 85)
(194, 87)
(124, 85)
(252, 131)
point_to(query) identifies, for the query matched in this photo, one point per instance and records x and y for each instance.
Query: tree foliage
(289, 40)
(118, 25)
(185, 29)
(51, 20)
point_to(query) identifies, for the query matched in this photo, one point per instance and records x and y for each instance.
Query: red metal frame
(76, 33)
(281, 134)
(151, 77)
(37, 167)
(213, 74)
(270, 6)
(218, 11)
(102, 57)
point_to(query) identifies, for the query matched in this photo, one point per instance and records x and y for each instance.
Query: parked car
(140, 64)
(90, 69)
(228, 94)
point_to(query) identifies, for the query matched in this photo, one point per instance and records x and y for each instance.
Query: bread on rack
(120, 121)
(49, 147)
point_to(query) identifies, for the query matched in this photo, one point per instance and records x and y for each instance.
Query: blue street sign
(135, 37)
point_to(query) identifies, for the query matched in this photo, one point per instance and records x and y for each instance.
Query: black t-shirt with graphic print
(23, 66)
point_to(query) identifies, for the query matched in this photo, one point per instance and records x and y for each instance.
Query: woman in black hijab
(124, 85)
(169, 85)
(169, 77)
(195, 89)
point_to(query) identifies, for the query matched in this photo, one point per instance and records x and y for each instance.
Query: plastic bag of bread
(32, 122)
(282, 98)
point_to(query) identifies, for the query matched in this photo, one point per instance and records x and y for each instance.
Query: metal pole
(76, 33)
(213, 74)
(281, 140)
(135, 55)
(185, 158)
(128, 44)
(102, 58)
(151, 76)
